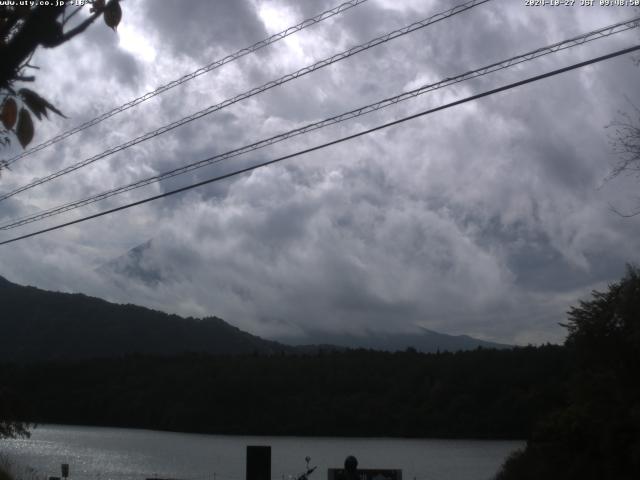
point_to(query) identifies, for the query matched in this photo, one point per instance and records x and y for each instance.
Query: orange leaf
(9, 113)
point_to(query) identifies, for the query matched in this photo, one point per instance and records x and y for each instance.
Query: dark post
(258, 462)
(351, 468)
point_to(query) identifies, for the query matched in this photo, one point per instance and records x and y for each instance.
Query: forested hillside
(39, 325)
(479, 394)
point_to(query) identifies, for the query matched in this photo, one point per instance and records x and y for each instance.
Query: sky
(489, 219)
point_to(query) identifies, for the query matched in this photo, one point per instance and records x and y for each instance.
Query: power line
(572, 42)
(190, 76)
(255, 91)
(333, 142)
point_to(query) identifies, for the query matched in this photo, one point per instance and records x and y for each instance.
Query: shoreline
(282, 436)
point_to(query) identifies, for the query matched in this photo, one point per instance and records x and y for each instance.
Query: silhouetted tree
(626, 144)
(11, 414)
(24, 28)
(597, 435)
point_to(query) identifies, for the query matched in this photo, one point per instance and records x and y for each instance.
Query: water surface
(112, 453)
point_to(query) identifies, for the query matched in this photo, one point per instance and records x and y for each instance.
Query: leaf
(37, 104)
(51, 34)
(97, 6)
(9, 113)
(113, 14)
(24, 130)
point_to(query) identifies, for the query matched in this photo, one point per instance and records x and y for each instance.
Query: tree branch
(10, 21)
(83, 26)
(64, 22)
(26, 40)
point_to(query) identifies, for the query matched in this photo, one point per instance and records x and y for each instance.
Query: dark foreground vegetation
(596, 436)
(481, 394)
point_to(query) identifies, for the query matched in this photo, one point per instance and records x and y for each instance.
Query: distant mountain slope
(137, 264)
(41, 325)
(426, 341)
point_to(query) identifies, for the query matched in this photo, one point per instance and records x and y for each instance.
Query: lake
(113, 453)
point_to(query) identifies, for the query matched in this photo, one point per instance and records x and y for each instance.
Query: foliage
(597, 436)
(625, 142)
(4, 475)
(12, 414)
(476, 394)
(23, 28)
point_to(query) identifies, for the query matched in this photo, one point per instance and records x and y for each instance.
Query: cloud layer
(489, 219)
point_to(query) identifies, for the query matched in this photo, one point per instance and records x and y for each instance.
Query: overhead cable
(190, 76)
(254, 91)
(327, 144)
(571, 42)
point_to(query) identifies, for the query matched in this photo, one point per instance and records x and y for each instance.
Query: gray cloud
(489, 219)
(201, 27)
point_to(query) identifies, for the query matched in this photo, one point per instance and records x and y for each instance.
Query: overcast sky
(488, 219)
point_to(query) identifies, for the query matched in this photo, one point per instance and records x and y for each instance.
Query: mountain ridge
(423, 340)
(41, 325)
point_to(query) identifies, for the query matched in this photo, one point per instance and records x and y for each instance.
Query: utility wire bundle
(494, 67)
(252, 92)
(190, 76)
(384, 103)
